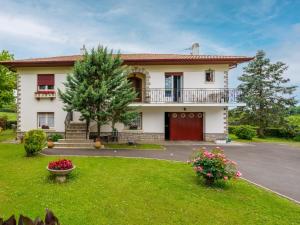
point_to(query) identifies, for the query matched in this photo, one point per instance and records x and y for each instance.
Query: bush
(297, 137)
(55, 137)
(214, 166)
(231, 129)
(3, 122)
(34, 141)
(288, 132)
(245, 132)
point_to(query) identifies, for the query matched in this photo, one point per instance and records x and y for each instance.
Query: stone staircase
(75, 137)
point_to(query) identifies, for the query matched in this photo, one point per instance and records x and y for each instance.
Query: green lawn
(267, 140)
(7, 135)
(137, 146)
(132, 191)
(10, 116)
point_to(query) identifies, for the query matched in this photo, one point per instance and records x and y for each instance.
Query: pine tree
(266, 93)
(99, 89)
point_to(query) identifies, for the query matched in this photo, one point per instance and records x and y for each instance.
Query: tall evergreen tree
(99, 89)
(7, 81)
(266, 92)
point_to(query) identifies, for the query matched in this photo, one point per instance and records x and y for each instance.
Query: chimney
(83, 50)
(195, 49)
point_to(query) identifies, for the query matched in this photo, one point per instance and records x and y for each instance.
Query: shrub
(50, 219)
(231, 129)
(297, 137)
(34, 141)
(214, 166)
(287, 132)
(55, 137)
(3, 122)
(63, 164)
(245, 132)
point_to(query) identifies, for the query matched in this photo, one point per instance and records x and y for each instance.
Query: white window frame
(47, 116)
(46, 89)
(212, 73)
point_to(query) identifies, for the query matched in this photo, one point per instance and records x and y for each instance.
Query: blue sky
(237, 27)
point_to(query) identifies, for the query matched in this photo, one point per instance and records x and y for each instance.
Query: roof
(134, 59)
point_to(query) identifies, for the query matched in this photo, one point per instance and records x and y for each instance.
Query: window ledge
(45, 94)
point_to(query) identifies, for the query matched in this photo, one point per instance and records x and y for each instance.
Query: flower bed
(214, 166)
(63, 164)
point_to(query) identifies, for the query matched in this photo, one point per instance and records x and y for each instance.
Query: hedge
(272, 132)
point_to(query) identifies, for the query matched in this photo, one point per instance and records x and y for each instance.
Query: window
(209, 76)
(136, 123)
(45, 82)
(46, 120)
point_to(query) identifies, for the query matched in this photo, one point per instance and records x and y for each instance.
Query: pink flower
(225, 178)
(209, 175)
(199, 168)
(238, 174)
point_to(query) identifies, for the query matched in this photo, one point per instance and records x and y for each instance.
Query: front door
(186, 126)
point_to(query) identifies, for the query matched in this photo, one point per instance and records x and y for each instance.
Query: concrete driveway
(275, 166)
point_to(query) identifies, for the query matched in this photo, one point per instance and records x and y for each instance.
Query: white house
(181, 97)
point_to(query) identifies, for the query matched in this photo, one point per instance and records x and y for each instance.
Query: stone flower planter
(61, 175)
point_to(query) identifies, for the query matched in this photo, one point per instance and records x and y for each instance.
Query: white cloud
(26, 28)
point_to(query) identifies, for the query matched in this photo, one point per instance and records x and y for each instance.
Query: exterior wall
(29, 106)
(215, 118)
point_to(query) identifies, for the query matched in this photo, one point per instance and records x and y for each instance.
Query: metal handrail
(68, 121)
(188, 95)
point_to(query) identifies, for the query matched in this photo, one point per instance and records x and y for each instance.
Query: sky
(31, 29)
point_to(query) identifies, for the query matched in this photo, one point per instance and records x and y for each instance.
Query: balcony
(188, 96)
(45, 95)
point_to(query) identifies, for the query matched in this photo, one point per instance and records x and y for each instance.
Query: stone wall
(215, 136)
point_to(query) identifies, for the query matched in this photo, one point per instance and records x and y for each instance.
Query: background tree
(99, 89)
(266, 93)
(7, 81)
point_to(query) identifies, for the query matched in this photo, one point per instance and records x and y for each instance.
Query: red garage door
(186, 126)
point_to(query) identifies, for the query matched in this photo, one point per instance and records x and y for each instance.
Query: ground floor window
(45, 120)
(135, 124)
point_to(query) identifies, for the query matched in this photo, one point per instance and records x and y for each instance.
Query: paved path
(275, 166)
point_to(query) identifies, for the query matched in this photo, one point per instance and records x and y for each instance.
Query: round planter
(97, 144)
(60, 175)
(50, 144)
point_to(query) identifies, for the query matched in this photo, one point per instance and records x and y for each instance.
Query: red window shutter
(45, 79)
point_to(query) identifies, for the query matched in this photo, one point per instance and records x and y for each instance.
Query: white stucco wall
(153, 117)
(30, 106)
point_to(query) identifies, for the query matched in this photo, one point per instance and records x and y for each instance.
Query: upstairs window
(45, 120)
(45, 82)
(209, 76)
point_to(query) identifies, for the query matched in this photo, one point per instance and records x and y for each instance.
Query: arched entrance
(137, 84)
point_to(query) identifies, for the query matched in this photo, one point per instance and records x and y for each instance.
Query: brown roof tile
(134, 59)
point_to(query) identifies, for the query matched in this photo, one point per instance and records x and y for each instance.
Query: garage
(182, 126)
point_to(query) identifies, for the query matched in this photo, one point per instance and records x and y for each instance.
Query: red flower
(63, 164)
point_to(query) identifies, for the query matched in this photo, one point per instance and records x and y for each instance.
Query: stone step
(75, 130)
(75, 141)
(75, 136)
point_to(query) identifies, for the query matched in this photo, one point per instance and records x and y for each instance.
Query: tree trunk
(98, 126)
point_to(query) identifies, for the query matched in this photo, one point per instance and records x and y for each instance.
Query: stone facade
(213, 137)
(20, 134)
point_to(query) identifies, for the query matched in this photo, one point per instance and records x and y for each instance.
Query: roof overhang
(183, 60)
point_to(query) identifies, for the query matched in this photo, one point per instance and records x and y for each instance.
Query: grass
(10, 115)
(267, 140)
(7, 135)
(136, 146)
(132, 191)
